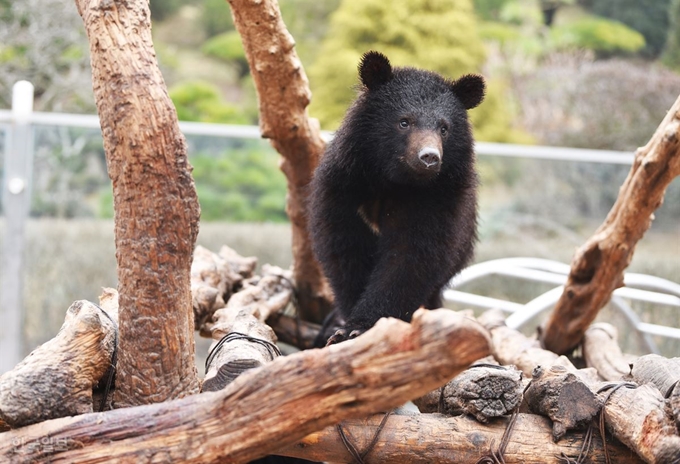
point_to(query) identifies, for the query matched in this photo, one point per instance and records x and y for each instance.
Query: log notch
(431, 438)
(57, 378)
(155, 203)
(602, 352)
(253, 416)
(250, 341)
(483, 391)
(598, 265)
(283, 95)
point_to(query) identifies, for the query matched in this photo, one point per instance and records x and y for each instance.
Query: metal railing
(253, 132)
(638, 287)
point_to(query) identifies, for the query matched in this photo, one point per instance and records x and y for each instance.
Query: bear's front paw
(340, 335)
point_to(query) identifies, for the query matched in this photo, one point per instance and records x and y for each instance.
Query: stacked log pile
(498, 394)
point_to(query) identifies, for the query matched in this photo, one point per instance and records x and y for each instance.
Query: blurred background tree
(650, 18)
(43, 41)
(440, 35)
(671, 57)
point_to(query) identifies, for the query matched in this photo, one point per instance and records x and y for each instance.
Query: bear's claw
(340, 335)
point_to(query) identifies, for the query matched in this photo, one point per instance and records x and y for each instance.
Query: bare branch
(597, 268)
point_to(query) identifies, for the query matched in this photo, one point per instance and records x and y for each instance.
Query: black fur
(388, 230)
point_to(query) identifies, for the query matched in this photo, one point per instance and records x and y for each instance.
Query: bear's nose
(430, 157)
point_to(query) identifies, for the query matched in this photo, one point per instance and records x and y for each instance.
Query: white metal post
(16, 198)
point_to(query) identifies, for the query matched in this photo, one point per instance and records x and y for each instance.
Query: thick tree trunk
(283, 95)
(156, 208)
(597, 268)
(255, 416)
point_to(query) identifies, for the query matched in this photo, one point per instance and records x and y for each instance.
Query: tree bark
(482, 391)
(283, 95)
(661, 372)
(431, 438)
(57, 378)
(664, 374)
(390, 364)
(155, 203)
(597, 267)
(638, 418)
(243, 319)
(602, 352)
(563, 397)
(214, 278)
(510, 347)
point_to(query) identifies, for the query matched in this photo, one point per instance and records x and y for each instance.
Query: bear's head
(416, 121)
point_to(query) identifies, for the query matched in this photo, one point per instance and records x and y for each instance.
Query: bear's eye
(444, 131)
(404, 124)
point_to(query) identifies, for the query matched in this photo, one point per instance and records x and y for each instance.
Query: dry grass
(67, 260)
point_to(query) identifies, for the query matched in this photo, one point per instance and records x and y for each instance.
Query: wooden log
(563, 397)
(601, 351)
(268, 408)
(598, 265)
(661, 372)
(57, 378)
(214, 277)
(432, 438)
(283, 95)
(155, 201)
(664, 374)
(627, 421)
(482, 391)
(637, 418)
(510, 347)
(250, 342)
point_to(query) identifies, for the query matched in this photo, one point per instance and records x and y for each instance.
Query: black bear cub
(393, 206)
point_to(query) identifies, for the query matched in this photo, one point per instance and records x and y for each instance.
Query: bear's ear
(470, 90)
(374, 70)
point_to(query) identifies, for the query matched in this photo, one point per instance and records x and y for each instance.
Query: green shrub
(216, 17)
(600, 35)
(201, 101)
(671, 56)
(227, 47)
(499, 32)
(439, 35)
(242, 185)
(489, 10)
(650, 18)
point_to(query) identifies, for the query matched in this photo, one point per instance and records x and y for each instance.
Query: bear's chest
(379, 213)
(370, 213)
